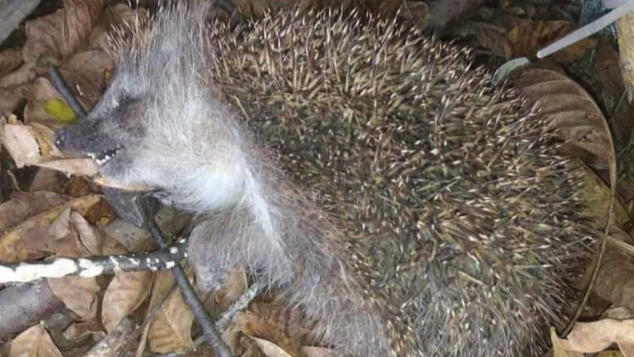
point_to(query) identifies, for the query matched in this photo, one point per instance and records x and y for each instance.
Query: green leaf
(59, 110)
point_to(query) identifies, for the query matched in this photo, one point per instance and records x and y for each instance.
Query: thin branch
(221, 324)
(587, 30)
(60, 85)
(163, 259)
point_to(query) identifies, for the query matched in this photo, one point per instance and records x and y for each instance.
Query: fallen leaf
(77, 330)
(10, 59)
(528, 38)
(270, 349)
(60, 111)
(20, 142)
(170, 330)
(320, 352)
(559, 349)
(9, 99)
(255, 326)
(113, 17)
(29, 240)
(78, 294)
(235, 285)
(572, 113)
(23, 205)
(34, 342)
(58, 35)
(489, 36)
(89, 236)
(595, 194)
(25, 74)
(35, 111)
(48, 180)
(87, 73)
(593, 337)
(126, 292)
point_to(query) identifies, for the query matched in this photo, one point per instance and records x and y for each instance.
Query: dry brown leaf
(609, 82)
(23, 205)
(571, 111)
(596, 336)
(77, 330)
(86, 73)
(596, 193)
(170, 330)
(627, 350)
(48, 180)
(28, 145)
(40, 91)
(60, 239)
(29, 240)
(126, 292)
(34, 342)
(489, 36)
(320, 352)
(269, 329)
(618, 313)
(270, 349)
(78, 294)
(58, 35)
(82, 166)
(528, 38)
(235, 285)
(113, 16)
(559, 349)
(250, 348)
(9, 99)
(20, 142)
(45, 137)
(626, 48)
(4, 349)
(25, 74)
(10, 59)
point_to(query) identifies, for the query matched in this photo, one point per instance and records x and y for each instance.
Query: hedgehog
(370, 174)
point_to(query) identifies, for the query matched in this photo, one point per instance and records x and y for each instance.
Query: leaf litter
(55, 221)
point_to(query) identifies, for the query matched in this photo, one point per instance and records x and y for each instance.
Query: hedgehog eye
(122, 101)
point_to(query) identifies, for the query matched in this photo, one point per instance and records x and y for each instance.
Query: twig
(587, 30)
(243, 301)
(60, 85)
(163, 259)
(221, 324)
(187, 291)
(117, 340)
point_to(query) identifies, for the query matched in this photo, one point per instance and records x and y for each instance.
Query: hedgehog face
(165, 132)
(107, 132)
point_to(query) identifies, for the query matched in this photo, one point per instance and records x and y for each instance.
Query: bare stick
(587, 30)
(163, 259)
(221, 324)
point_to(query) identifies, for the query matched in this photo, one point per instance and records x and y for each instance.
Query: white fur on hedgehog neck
(221, 176)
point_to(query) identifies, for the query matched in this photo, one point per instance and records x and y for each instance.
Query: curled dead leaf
(34, 342)
(170, 330)
(573, 113)
(58, 35)
(529, 37)
(593, 337)
(270, 349)
(126, 292)
(78, 294)
(23, 205)
(10, 59)
(31, 239)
